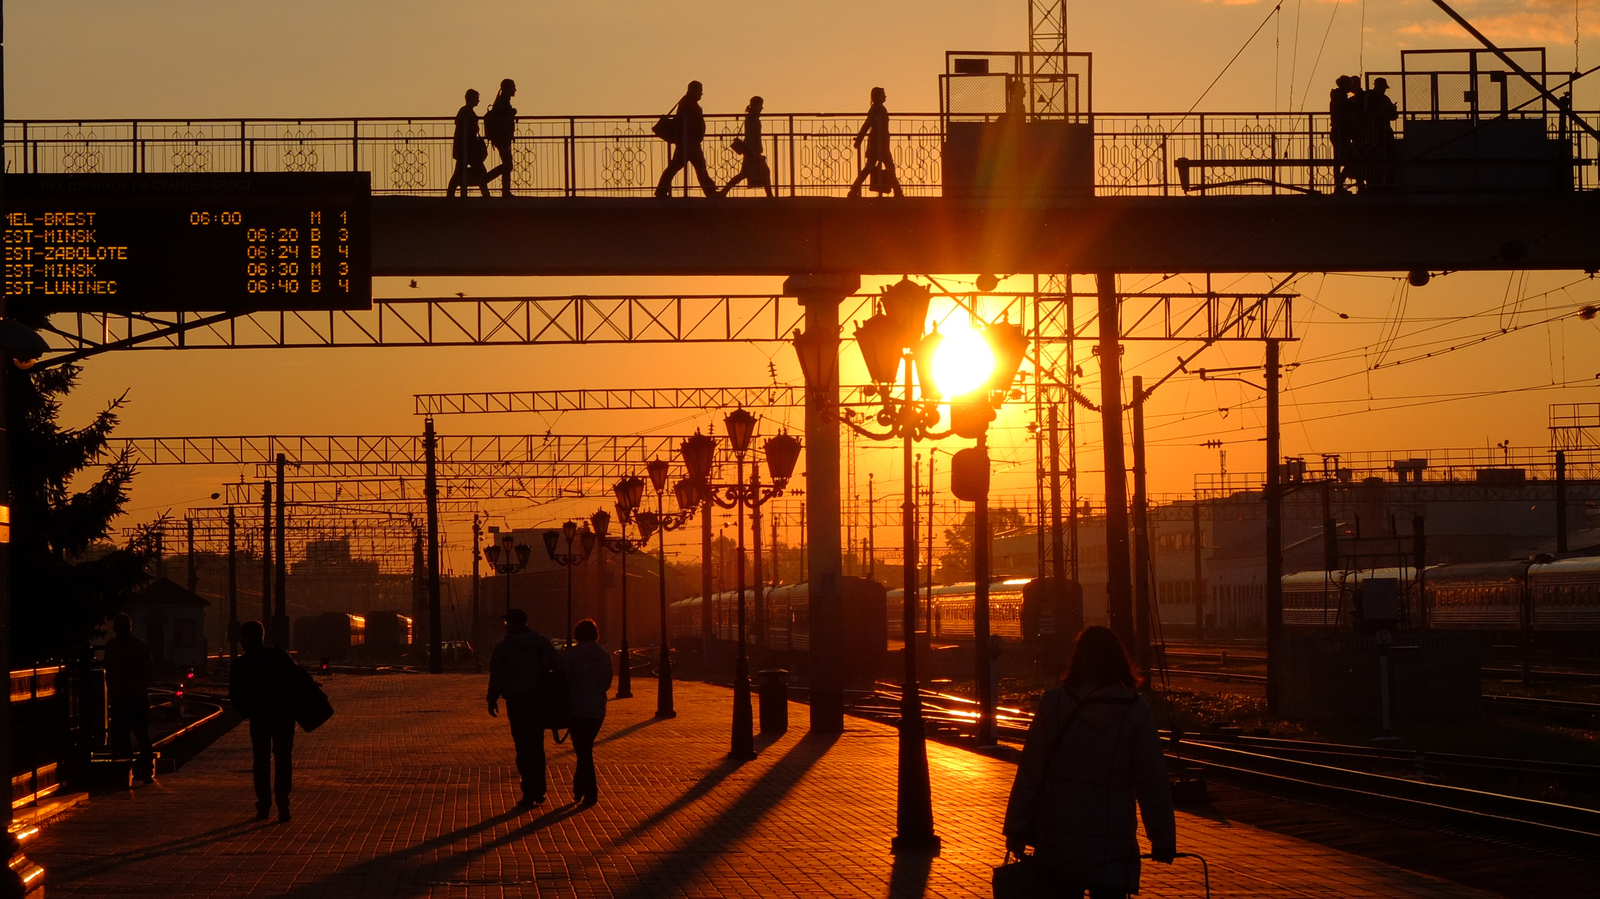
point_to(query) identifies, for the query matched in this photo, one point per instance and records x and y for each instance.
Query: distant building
(172, 620)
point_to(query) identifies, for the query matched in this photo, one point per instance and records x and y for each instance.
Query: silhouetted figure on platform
(259, 686)
(469, 150)
(750, 145)
(879, 162)
(689, 131)
(515, 669)
(588, 678)
(1344, 125)
(1091, 754)
(1378, 114)
(500, 126)
(129, 670)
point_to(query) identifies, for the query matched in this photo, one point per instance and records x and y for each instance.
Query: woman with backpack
(588, 667)
(1091, 754)
(500, 126)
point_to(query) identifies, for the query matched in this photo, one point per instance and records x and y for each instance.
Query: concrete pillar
(821, 296)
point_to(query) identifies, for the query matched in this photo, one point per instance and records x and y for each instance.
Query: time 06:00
(216, 218)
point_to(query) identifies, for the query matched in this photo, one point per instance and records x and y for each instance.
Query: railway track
(1360, 775)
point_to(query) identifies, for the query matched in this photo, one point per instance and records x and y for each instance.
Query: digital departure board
(188, 242)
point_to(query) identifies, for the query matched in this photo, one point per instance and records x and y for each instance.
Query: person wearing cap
(514, 671)
(1378, 114)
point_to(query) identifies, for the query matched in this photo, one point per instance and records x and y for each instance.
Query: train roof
(1577, 565)
(962, 588)
(1319, 578)
(1479, 571)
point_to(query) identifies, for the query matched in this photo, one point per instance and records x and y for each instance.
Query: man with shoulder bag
(518, 664)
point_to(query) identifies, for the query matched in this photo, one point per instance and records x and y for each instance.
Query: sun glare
(962, 362)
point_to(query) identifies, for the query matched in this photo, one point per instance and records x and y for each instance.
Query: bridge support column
(1119, 569)
(821, 296)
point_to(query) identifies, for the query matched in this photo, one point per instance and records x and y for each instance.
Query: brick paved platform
(409, 791)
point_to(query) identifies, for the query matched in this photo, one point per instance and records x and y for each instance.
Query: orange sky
(202, 58)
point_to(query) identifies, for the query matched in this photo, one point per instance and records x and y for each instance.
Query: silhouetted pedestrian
(1378, 114)
(514, 672)
(259, 686)
(1344, 123)
(588, 677)
(129, 670)
(688, 132)
(879, 162)
(469, 150)
(750, 145)
(1091, 753)
(500, 126)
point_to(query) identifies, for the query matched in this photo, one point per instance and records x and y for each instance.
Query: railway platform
(409, 792)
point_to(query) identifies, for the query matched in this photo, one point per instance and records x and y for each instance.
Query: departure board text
(187, 242)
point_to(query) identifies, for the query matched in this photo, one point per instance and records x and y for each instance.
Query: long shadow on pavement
(908, 879)
(731, 824)
(621, 732)
(391, 875)
(104, 864)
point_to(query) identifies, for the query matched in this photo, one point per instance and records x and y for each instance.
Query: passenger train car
(872, 617)
(1550, 599)
(335, 636)
(390, 636)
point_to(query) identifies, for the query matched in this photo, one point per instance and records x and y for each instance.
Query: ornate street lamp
(698, 453)
(629, 492)
(569, 548)
(509, 561)
(888, 340)
(661, 522)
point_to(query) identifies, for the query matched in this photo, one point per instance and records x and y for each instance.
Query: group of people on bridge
(684, 130)
(1361, 128)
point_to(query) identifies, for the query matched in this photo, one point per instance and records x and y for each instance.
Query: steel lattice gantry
(547, 320)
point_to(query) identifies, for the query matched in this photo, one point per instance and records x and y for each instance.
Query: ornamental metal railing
(1135, 154)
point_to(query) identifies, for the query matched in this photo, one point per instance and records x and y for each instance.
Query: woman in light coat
(588, 677)
(1091, 753)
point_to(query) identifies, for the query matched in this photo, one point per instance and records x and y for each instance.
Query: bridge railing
(1135, 154)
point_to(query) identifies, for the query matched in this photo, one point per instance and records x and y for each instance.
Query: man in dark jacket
(469, 150)
(259, 686)
(128, 675)
(514, 670)
(686, 149)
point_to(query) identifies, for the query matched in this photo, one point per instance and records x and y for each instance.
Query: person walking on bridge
(588, 677)
(500, 126)
(259, 686)
(1091, 752)
(469, 150)
(689, 132)
(515, 668)
(750, 146)
(129, 671)
(879, 162)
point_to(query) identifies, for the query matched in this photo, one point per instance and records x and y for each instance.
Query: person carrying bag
(1092, 754)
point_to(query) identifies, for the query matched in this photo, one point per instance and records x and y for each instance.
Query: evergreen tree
(65, 582)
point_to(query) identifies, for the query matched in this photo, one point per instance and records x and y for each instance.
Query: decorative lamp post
(569, 548)
(688, 501)
(741, 426)
(698, 453)
(507, 561)
(889, 339)
(629, 492)
(600, 523)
